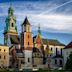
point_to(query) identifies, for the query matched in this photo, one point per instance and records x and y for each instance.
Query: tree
(68, 65)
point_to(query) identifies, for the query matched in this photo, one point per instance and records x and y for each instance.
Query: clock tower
(10, 32)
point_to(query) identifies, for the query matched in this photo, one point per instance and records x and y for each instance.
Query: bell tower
(10, 28)
(26, 36)
(27, 42)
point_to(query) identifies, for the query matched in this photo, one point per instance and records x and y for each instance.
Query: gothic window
(12, 25)
(28, 44)
(28, 59)
(51, 49)
(55, 61)
(56, 51)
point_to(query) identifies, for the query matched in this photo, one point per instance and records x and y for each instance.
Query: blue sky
(54, 17)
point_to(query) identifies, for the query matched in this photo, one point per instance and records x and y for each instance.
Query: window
(28, 44)
(0, 56)
(28, 59)
(51, 49)
(56, 51)
(50, 55)
(60, 62)
(4, 57)
(4, 50)
(55, 61)
(61, 51)
(0, 49)
(12, 25)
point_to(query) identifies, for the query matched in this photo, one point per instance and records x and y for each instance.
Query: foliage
(68, 65)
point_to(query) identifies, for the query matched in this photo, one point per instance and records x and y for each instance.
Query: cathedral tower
(38, 41)
(27, 41)
(10, 32)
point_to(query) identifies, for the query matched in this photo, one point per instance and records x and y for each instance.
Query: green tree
(68, 65)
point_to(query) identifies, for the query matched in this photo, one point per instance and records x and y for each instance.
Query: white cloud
(38, 14)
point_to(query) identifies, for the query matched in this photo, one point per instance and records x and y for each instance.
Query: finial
(10, 10)
(39, 31)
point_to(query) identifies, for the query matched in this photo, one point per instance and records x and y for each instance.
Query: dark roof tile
(68, 46)
(26, 22)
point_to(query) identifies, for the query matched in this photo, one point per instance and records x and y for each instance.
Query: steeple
(10, 11)
(26, 35)
(26, 27)
(26, 22)
(10, 21)
(39, 31)
(10, 28)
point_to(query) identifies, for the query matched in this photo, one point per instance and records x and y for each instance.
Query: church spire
(10, 11)
(39, 31)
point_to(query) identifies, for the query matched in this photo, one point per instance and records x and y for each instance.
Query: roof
(3, 45)
(35, 49)
(51, 42)
(14, 39)
(26, 22)
(19, 51)
(58, 56)
(68, 46)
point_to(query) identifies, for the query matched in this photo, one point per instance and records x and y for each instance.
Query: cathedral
(28, 51)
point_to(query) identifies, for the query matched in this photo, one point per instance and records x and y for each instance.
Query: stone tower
(10, 32)
(27, 42)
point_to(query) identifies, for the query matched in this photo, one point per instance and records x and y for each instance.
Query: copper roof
(68, 46)
(14, 39)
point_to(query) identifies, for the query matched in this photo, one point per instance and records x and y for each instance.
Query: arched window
(12, 25)
(28, 59)
(51, 49)
(55, 61)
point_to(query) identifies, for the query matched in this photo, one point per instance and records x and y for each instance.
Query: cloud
(44, 13)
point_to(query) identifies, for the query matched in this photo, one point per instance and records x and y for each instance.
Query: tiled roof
(26, 22)
(68, 46)
(14, 39)
(51, 41)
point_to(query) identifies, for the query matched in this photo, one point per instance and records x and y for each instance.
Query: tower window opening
(28, 44)
(28, 36)
(12, 25)
(28, 59)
